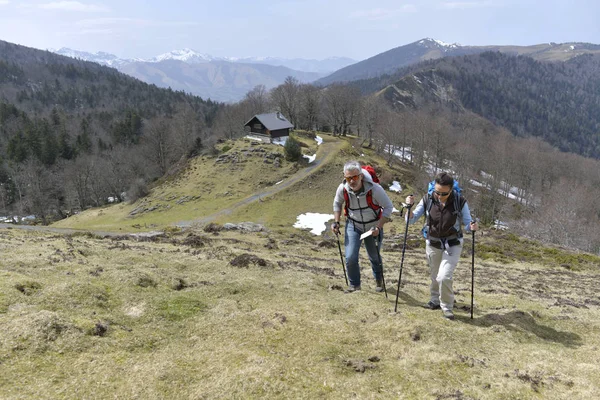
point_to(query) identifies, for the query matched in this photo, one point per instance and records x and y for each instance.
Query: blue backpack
(459, 203)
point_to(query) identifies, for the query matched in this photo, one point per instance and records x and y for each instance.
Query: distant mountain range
(219, 78)
(427, 49)
(325, 66)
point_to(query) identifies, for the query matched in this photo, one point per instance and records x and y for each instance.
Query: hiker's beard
(356, 185)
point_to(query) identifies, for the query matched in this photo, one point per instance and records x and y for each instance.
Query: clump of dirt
(179, 284)
(536, 379)
(272, 244)
(120, 246)
(146, 281)
(470, 361)
(244, 261)
(100, 329)
(97, 271)
(327, 244)
(213, 228)
(336, 287)
(281, 318)
(359, 365)
(194, 241)
(415, 335)
(28, 287)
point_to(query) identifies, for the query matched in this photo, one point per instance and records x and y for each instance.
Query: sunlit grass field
(262, 315)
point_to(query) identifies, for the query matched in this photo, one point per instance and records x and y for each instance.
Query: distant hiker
(444, 209)
(367, 208)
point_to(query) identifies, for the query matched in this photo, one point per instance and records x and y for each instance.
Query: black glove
(335, 227)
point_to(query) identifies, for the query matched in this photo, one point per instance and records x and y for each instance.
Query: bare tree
(286, 98)
(341, 104)
(230, 120)
(159, 145)
(79, 175)
(258, 100)
(187, 130)
(373, 110)
(310, 99)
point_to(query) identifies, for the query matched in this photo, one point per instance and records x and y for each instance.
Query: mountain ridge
(426, 49)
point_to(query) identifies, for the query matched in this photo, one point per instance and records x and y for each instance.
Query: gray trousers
(442, 264)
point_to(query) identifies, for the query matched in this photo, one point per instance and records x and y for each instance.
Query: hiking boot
(379, 285)
(432, 306)
(352, 288)
(448, 314)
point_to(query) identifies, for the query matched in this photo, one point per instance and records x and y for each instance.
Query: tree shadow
(521, 321)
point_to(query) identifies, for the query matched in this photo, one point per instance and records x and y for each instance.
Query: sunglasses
(441, 194)
(352, 178)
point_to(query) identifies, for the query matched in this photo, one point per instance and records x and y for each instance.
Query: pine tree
(292, 149)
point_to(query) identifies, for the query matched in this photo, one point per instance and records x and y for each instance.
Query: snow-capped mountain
(185, 55)
(100, 57)
(428, 42)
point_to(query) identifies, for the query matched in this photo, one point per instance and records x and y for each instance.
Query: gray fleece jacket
(363, 216)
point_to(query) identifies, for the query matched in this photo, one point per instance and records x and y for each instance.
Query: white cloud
(378, 14)
(4, 2)
(458, 5)
(73, 6)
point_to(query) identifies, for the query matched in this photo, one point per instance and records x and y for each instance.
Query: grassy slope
(183, 322)
(204, 187)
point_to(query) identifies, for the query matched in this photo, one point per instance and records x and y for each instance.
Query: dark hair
(444, 179)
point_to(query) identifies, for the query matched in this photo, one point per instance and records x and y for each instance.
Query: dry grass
(203, 188)
(231, 315)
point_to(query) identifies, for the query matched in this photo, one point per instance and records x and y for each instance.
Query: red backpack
(372, 172)
(370, 203)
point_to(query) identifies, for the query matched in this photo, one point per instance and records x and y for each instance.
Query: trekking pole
(381, 263)
(342, 257)
(408, 206)
(473, 271)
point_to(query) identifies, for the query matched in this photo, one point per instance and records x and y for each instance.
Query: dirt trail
(324, 154)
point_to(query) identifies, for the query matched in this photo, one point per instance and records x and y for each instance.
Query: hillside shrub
(292, 149)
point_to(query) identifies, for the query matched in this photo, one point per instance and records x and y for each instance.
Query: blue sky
(286, 28)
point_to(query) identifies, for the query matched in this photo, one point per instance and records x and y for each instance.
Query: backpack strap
(369, 196)
(459, 203)
(346, 202)
(374, 206)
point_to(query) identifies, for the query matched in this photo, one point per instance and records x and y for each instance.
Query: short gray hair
(352, 166)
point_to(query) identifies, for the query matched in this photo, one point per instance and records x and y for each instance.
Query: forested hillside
(74, 134)
(557, 101)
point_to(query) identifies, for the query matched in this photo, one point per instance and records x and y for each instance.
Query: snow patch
(314, 221)
(310, 158)
(395, 187)
(280, 140)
